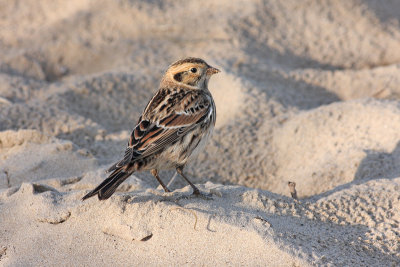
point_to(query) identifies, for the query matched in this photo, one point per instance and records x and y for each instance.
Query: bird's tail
(109, 185)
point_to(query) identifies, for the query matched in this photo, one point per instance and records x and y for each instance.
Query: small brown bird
(174, 126)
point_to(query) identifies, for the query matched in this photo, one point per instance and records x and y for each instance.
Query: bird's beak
(212, 70)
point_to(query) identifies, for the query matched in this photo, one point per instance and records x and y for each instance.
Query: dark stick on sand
(292, 188)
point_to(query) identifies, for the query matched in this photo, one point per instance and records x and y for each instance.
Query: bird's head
(193, 72)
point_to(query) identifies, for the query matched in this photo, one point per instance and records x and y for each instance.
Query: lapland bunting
(174, 126)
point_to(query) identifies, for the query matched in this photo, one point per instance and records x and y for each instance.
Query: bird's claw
(206, 196)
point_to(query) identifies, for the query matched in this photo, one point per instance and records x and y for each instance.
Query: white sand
(309, 93)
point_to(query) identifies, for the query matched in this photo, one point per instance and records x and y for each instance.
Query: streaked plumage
(174, 126)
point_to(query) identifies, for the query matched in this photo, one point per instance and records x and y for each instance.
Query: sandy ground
(309, 93)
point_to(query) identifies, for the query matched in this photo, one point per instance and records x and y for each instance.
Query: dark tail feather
(112, 168)
(109, 185)
(110, 188)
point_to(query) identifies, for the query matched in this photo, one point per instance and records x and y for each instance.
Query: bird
(174, 127)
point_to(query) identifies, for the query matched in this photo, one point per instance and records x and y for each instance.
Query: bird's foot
(166, 190)
(197, 193)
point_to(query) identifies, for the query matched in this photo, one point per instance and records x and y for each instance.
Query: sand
(309, 93)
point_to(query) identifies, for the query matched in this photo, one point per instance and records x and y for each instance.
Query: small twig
(191, 211)
(292, 188)
(3, 251)
(8, 179)
(382, 93)
(264, 221)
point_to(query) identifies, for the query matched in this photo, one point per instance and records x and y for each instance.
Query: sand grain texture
(309, 93)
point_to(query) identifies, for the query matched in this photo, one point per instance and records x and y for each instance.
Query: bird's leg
(196, 191)
(154, 172)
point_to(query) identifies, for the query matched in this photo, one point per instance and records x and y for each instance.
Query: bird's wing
(166, 118)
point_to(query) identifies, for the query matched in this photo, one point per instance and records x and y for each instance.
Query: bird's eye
(193, 70)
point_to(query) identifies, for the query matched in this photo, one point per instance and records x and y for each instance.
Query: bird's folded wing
(153, 135)
(170, 129)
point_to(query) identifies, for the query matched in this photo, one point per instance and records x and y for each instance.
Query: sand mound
(308, 93)
(137, 225)
(336, 144)
(30, 155)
